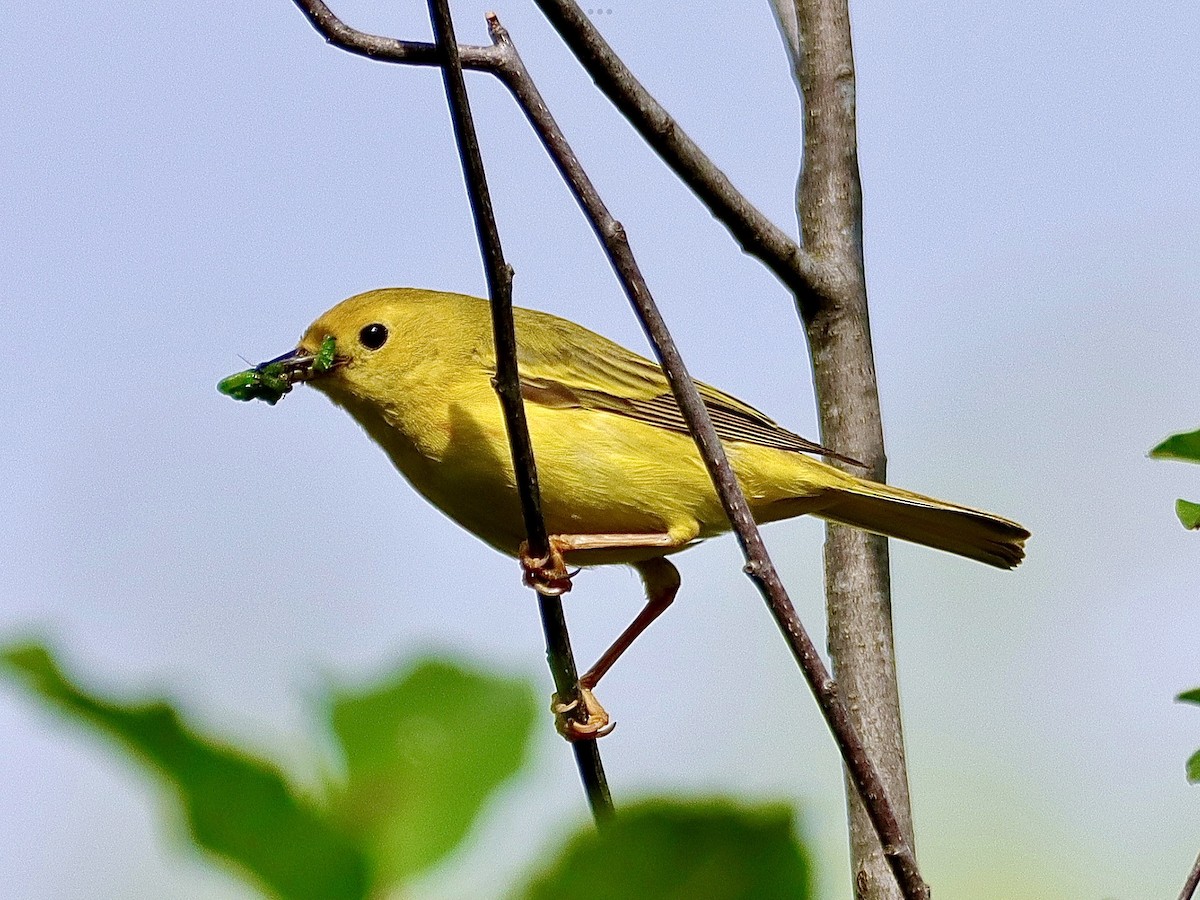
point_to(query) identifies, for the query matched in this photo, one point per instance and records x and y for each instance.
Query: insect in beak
(270, 380)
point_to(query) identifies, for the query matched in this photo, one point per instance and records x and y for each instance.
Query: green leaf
(1179, 446)
(1192, 696)
(672, 850)
(423, 753)
(1193, 768)
(1189, 513)
(237, 807)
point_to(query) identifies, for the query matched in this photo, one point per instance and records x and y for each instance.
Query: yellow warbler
(621, 479)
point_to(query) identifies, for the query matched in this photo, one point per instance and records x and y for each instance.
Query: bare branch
(828, 279)
(499, 277)
(757, 234)
(386, 49)
(789, 28)
(1193, 881)
(857, 578)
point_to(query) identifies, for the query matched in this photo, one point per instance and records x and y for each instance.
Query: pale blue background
(187, 182)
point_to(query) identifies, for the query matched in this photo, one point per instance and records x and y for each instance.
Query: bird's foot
(583, 719)
(548, 575)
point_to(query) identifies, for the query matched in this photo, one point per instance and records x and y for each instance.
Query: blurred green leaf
(237, 807)
(1179, 446)
(672, 850)
(423, 753)
(1189, 513)
(1193, 768)
(1193, 763)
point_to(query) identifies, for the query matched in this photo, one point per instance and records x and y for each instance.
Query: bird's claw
(589, 722)
(548, 575)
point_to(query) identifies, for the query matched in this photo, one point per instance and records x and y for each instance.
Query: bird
(620, 477)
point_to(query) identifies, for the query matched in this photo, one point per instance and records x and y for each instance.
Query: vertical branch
(857, 580)
(499, 277)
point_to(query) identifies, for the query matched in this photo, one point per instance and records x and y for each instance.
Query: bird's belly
(605, 474)
(598, 473)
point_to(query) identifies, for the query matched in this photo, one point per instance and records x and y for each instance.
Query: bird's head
(361, 351)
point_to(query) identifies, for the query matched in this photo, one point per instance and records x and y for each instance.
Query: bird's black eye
(373, 336)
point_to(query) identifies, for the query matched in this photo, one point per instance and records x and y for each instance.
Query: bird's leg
(662, 581)
(582, 717)
(590, 721)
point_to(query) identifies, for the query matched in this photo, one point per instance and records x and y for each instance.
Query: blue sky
(196, 182)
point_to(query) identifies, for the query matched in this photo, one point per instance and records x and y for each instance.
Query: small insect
(269, 381)
(323, 361)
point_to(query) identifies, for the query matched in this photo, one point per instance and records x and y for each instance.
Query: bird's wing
(561, 371)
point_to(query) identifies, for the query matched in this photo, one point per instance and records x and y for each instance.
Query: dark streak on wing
(732, 423)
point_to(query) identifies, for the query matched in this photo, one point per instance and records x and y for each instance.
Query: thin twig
(794, 265)
(499, 277)
(760, 569)
(387, 49)
(1193, 881)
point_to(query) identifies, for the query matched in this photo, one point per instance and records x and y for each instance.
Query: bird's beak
(303, 364)
(294, 366)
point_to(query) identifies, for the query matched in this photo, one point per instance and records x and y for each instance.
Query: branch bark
(857, 579)
(499, 277)
(1193, 881)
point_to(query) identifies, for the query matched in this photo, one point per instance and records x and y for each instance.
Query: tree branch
(857, 577)
(499, 277)
(795, 266)
(387, 49)
(1193, 881)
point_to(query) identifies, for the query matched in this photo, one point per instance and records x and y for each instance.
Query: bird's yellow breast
(598, 473)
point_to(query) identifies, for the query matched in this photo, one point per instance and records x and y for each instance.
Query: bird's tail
(902, 514)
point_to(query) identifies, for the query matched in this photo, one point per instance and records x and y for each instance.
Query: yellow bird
(621, 480)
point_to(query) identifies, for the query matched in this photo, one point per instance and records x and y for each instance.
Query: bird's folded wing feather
(606, 377)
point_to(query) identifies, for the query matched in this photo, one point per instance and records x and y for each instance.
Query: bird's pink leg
(582, 717)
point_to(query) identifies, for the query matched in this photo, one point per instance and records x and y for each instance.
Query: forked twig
(504, 62)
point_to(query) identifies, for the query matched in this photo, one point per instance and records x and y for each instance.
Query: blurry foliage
(423, 751)
(674, 850)
(1184, 447)
(1193, 763)
(418, 771)
(237, 807)
(423, 754)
